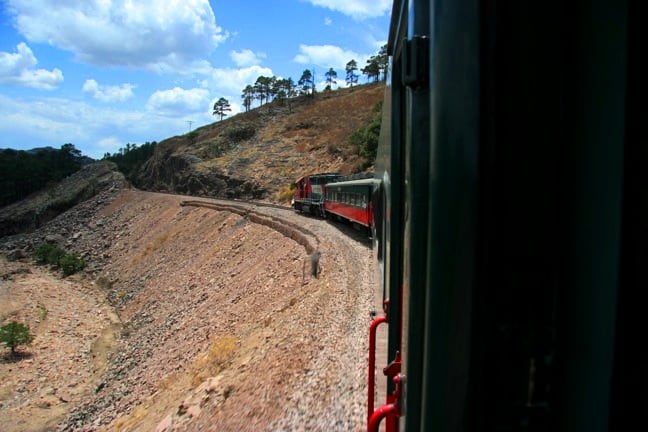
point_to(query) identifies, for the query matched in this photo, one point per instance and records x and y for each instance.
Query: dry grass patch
(151, 247)
(285, 193)
(175, 387)
(207, 166)
(215, 360)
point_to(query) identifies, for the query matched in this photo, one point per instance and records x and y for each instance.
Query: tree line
(27, 171)
(129, 159)
(282, 90)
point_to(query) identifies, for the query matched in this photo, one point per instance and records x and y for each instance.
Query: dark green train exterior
(513, 207)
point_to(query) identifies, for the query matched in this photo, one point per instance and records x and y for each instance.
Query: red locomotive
(310, 192)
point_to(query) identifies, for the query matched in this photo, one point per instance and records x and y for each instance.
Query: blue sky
(103, 73)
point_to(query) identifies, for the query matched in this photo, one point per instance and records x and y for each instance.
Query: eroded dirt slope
(75, 330)
(220, 327)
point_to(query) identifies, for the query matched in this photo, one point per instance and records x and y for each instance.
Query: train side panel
(351, 200)
(359, 215)
(510, 217)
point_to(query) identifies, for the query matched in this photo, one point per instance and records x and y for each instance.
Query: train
(332, 195)
(511, 218)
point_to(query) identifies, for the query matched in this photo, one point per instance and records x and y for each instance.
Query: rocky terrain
(194, 313)
(191, 315)
(258, 154)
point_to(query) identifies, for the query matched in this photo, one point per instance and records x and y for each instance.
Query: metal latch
(416, 62)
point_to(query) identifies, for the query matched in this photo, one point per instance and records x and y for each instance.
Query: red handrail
(379, 415)
(388, 410)
(372, 364)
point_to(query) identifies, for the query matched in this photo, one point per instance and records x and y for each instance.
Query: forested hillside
(25, 172)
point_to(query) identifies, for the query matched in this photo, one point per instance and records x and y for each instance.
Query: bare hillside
(259, 153)
(195, 314)
(192, 315)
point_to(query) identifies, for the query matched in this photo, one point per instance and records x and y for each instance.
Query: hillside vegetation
(259, 154)
(25, 172)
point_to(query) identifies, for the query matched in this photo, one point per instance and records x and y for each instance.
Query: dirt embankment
(220, 326)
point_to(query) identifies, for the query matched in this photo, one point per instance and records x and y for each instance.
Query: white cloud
(18, 69)
(154, 34)
(327, 56)
(358, 9)
(229, 83)
(246, 58)
(54, 121)
(328, 21)
(103, 93)
(94, 130)
(232, 81)
(178, 102)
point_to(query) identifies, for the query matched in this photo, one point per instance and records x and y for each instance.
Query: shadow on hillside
(9, 357)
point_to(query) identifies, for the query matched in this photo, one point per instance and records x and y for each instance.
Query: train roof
(317, 175)
(361, 182)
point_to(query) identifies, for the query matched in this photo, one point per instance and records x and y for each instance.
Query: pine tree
(351, 76)
(331, 74)
(383, 61)
(221, 106)
(15, 334)
(248, 97)
(372, 70)
(306, 81)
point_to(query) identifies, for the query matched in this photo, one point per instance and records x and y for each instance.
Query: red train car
(351, 200)
(310, 191)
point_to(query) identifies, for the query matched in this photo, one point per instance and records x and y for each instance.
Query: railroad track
(289, 229)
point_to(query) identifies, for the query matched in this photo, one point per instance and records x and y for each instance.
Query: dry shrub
(212, 362)
(104, 283)
(285, 193)
(333, 149)
(150, 248)
(240, 133)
